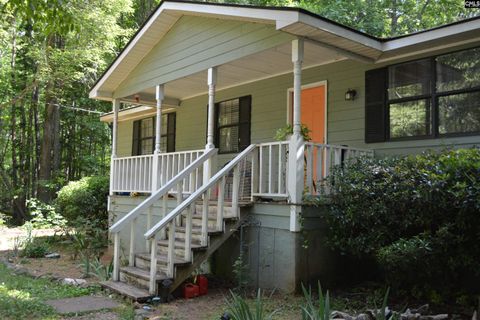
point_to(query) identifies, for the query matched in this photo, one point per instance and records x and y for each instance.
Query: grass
(22, 297)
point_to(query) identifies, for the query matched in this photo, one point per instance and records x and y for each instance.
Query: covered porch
(274, 172)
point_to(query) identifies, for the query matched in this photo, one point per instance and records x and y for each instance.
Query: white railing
(270, 165)
(269, 170)
(132, 174)
(321, 158)
(215, 184)
(136, 174)
(185, 176)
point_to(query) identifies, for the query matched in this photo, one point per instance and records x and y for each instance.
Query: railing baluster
(171, 250)
(270, 175)
(280, 169)
(235, 190)
(153, 265)
(254, 174)
(149, 224)
(164, 212)
(188, 233)
(116, 257)
(179, 201)
(309, 181)
(131, 254)
(205, 209)
(319, 163)
(260, 174)
(220, 203)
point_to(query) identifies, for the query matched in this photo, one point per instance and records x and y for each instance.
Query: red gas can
(202, 282)
(190, 290)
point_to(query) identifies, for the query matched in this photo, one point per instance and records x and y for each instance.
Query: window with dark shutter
(232, 124)
(426, 98)
(144, 135)
(375, 87)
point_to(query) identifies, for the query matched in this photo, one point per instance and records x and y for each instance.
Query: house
(198, 95)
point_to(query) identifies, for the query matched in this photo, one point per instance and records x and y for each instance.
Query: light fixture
(350, 94)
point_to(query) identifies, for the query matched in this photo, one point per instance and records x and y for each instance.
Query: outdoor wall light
(350, 94)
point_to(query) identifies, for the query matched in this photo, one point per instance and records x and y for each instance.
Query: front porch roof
(325, 41)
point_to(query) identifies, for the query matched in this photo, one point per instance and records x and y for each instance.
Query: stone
(363, 316)
(141, 314)
(74, 282)
(82, 304)
(52, 255)
(341, 315)
(422, 309)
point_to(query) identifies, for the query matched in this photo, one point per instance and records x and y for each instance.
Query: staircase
(187, 235)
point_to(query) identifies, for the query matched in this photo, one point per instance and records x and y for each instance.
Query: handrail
(339, 147)
(162, 191)
(197, 194)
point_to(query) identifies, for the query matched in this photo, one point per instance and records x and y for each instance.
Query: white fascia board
(430, 35)
(337, 30)
(124, 53)
(244, 13)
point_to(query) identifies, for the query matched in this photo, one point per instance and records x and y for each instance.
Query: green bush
(418, 216)
(86, 198)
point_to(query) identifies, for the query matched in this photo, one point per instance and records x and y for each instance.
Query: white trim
(308, 86)
(381, 59)
(436, 34)
(338, 31)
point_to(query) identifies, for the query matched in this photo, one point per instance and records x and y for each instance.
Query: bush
(419, 216)
(86, 198)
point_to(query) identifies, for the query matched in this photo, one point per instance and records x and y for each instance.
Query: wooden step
(127, 290)
(142, 273)
(179, 244)
(161, 258)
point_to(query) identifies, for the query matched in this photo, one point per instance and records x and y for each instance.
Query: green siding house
(198, 95)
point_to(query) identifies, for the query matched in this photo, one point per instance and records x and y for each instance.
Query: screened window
(232, 132)
(432, 97)
(144, 135)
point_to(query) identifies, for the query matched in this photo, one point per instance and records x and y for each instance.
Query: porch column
(158, 133)
(296, 143)
(212, 81)
(115, 109)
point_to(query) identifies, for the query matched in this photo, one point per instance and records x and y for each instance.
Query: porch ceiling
(262, 65)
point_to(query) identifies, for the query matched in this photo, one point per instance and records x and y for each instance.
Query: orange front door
(313, 112)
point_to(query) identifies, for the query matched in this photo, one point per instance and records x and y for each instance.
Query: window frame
(433, 97)
(137, 126)
(239, 124)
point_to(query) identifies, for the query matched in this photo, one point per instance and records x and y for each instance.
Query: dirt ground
(208, 307)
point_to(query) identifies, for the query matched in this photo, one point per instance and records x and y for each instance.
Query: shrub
(44, 215)
(85, 198)
(32, 247)
(239, 308)
(419, 216)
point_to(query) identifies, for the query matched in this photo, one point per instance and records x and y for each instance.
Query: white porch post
(116, 236)
(296, 143)
(158, 132)
(115, 109)
(212, 81)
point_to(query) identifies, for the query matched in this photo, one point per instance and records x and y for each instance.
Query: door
(313, 116)
(313, 112)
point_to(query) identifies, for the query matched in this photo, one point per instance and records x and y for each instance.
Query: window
(433, 97)
(232, 124)
(144, 135)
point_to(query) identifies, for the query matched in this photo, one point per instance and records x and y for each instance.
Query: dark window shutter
(171, 126)
(244, 127)
(136, 137)
(375, 105)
